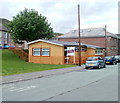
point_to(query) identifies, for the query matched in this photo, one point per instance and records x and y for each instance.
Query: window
(36, 52)
(5, 35)
(83, 49)
(41, 52)
(0, 34)
(98, 52)
(45, 52)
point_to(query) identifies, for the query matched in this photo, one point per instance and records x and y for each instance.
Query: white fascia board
(91, 47)
(44, 41)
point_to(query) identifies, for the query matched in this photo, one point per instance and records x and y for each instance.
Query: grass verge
(11, 64)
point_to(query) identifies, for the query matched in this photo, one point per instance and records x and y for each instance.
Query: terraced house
(5, 37)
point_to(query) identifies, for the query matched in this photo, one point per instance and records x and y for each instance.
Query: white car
(95, 62)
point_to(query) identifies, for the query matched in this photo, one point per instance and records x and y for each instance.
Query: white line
(22, 89)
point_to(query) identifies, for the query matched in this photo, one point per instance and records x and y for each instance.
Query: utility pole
(105, 41)
(79, 52)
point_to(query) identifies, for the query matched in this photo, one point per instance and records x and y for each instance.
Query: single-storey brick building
(58, 52)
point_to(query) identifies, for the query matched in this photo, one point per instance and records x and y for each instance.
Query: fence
(18, 51)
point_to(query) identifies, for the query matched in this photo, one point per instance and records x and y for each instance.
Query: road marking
(11, 85)
(22, 89)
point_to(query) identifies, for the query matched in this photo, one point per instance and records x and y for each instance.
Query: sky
(62, 14)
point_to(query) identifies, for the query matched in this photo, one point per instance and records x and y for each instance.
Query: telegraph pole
(79, 52)
(105, 41)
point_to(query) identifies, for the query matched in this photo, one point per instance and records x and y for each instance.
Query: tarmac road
(80, 85)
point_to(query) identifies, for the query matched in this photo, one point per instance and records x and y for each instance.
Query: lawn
(11, 64)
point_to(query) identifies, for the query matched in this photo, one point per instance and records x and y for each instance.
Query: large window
(36, 52)
(45, 52)
(41, 52)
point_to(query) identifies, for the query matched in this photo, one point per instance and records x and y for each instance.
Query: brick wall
(112, 43)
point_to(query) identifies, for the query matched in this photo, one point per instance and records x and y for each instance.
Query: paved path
(34, 75)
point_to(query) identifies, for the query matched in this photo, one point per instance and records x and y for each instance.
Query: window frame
(45, 50)
(5, 35)
(41, 50)
(98, 52)
(36, 50)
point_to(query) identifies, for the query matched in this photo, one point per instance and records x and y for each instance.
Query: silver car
(95, 62)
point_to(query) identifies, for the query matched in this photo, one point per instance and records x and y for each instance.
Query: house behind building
(5, 37)
(95, 36)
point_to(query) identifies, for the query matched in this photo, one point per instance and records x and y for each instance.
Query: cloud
(62, 14)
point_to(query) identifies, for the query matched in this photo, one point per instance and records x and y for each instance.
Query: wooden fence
(18, 51)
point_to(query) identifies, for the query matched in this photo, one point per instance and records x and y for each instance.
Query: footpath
(35, 75)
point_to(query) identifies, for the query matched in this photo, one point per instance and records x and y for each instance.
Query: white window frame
(36, 51)
(48, 50)
(5, 35)
(98, 52)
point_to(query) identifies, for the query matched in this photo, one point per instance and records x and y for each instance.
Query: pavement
(35, 75)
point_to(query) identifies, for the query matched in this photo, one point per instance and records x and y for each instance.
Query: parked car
(6, 46)
(95, 62)
(117, 58)
(110, 60)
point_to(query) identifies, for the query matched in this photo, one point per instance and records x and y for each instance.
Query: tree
(28, 25)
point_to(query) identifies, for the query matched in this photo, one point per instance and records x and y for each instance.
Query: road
(80, 85)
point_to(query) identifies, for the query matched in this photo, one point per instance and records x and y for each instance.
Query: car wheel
(104, 66)
(113, 63)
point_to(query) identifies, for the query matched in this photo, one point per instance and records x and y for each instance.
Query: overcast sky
(62, 14)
